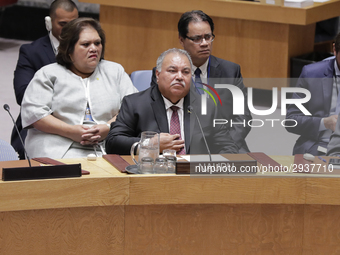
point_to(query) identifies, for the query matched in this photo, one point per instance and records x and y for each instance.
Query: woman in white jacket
(68, 106)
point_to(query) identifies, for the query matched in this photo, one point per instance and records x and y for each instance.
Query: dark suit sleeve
(123, 132)
(307, 126)
(23, 73)
(154, 78)
(218, 137)
(223, 142)
(239, 132)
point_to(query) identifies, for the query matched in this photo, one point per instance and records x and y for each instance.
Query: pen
(324, 160)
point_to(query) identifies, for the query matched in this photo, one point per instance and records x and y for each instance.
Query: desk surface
(107, 186)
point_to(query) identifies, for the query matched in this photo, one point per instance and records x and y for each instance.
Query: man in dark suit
(196, 34)
(38, 54)
(153, 110)
(323, 82)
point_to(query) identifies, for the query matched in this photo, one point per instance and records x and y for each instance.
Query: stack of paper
(298, 3)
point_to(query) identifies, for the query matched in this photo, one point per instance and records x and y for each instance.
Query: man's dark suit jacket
(31, 58)
(145, 111)
(318, 79)
(222, 72)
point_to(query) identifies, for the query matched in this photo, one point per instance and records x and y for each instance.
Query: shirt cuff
(322, 125)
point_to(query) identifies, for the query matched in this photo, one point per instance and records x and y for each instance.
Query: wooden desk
(108, 212)
(261, 38)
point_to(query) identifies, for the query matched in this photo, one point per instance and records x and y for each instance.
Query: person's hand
(167, 141)
(95, 134)
(76, 132)
(330, 122)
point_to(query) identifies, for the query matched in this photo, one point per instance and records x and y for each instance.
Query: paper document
(298, 3)
(197, 158)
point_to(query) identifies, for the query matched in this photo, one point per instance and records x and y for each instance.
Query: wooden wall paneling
(61, 193)
(195, 190)
(254, 45)
(136, 38)
(301, 41)
(323, 191)
(214, 229)
(245, 10)
(322, 229)
(322, 11)
(87, 230)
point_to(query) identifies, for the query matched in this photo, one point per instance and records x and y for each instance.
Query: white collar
(168, 103)
(54, 43)
(336, 68)
(204, 68)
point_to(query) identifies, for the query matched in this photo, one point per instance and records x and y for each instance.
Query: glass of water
(171, 164)
(170, 155)
(160, 166)
(168, 152)
(146, 165)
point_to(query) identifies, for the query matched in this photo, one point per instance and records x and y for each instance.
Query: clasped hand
(86, 135)
(330, 122)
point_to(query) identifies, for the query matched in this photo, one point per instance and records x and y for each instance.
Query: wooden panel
(322, 229)
(250, 44)
(61, 193)
(237, 9)
(323, 191)
(97, 189)
(195, 190)
(301, 41)
(136, 38)
(214, 229)
(262, 49)
(254, 46)
(322, 11)
(92, 230)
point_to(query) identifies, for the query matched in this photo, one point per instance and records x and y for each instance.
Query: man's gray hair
(173, 50)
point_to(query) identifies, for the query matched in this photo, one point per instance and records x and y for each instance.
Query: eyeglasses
(199, 39)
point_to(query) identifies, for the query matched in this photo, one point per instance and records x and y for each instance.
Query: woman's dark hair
(70, 35)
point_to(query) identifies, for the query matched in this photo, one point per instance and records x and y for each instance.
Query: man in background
(196, 35)
(37, 54)
(322, 79)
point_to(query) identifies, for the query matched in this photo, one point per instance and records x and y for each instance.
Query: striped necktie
(175, 126)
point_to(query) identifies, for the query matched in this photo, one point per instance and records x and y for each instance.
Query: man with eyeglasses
(196, 35)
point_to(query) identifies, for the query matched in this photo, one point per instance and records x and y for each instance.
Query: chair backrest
(7, 152)
(141, 79)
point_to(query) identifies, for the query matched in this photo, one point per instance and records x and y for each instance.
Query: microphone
(191, 109)
(39, 172)
(6, 107)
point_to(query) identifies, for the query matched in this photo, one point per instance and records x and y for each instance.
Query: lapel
(190, 119)
(158, 107)
(187, 126)
(47, 48)
(215, 72)
(327, 86)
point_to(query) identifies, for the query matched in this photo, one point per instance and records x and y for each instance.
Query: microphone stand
(191, 109)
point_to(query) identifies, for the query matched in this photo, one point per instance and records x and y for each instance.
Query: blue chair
(7, 152)
(141, 79)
